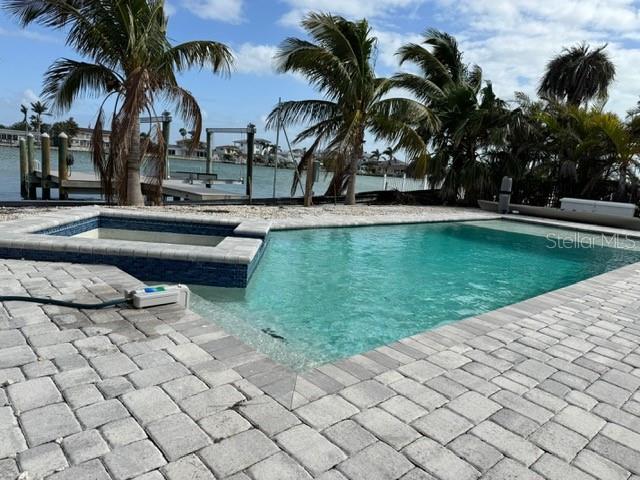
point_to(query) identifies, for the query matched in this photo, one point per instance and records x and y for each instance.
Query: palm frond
(302, 112)
(66, 80)
(199, 54)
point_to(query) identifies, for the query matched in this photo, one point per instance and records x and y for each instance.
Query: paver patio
(544, 389)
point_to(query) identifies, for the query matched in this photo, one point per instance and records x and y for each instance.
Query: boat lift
(250, 132)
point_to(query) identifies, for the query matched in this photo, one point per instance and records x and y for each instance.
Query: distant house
(373, 166)
(10, 137)
(82, 139)
(182, 149)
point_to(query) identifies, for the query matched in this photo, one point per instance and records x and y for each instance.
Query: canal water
(262, 181)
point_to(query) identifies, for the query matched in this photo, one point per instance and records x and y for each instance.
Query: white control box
(160, 295)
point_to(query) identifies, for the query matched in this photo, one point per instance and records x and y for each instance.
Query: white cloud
(388, 45)
(29, 96)
(255, 59)
(230, 11)
(371, 9)
(512, 40)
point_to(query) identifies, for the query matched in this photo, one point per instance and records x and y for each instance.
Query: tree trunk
(134, 188)
(308, 190)
(358, 153)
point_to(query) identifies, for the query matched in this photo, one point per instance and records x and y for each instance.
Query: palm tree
(467, 114)
(578, 74)
(24, 110)
(131, 61)
(39, 109)
(624, 148)
(339, 63)
(183, 133)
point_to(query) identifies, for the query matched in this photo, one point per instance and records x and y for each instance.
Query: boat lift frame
(250, 132)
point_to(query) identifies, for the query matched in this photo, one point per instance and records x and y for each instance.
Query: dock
(85, 183)
(189, 186)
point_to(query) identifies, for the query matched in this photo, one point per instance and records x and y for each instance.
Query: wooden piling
(24, 166)
(45, 145)
(166, 134)
(251, 135)
(63, 169)
(31, 155)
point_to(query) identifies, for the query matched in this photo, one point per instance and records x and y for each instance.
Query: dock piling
(31, 155)
(251, 135)
(63, 169)
(24, 166)
(166, 134)
(45, 145)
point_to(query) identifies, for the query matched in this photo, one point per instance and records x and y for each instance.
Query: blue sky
(510, 39)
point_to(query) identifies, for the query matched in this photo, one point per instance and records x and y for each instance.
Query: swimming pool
(333, 293)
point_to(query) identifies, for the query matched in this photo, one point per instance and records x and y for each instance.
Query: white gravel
(276, 213)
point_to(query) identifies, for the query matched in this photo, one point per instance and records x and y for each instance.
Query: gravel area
(271, 213)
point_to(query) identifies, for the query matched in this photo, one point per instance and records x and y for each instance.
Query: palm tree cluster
(339, 62)
(453, 127)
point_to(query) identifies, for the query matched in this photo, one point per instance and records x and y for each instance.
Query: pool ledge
(230, 263)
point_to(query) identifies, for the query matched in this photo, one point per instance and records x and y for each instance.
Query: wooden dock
(177, 189)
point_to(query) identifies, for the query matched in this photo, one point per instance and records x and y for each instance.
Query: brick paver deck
(548, 388)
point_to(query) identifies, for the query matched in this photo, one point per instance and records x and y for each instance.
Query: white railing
(404, 184)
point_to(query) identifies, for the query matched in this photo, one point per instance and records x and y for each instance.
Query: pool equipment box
(160, 295)
(596, 206)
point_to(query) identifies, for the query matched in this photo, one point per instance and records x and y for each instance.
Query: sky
(511, 40)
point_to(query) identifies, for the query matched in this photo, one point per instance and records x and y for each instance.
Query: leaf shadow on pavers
(236, 453)
(48, 423)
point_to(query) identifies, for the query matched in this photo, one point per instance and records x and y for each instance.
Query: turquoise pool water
(332, 293)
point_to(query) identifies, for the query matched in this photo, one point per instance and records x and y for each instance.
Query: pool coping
(240, 249)
(230, 263)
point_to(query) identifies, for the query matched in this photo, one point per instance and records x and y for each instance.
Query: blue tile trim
(148, 225)
(150, 269)
(72, 228)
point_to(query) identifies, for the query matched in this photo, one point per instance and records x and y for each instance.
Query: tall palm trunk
(358, 153)
(134, 188)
